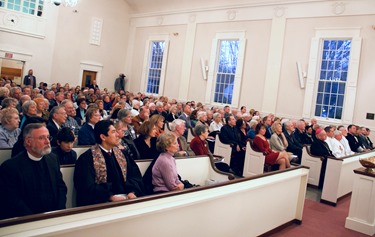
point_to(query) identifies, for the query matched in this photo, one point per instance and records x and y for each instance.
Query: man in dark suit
(185, 115)
(229, 135)
(293, 145)
(57, 118)
(30, 79)
(86, 133)
(320, 148)
(31, 182)
(354, 143)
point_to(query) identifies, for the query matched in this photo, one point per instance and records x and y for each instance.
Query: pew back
(254, 161)
(5, 154)
(222, 149)
(314, 163)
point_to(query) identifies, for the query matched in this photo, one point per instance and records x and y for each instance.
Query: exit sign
(8, 55)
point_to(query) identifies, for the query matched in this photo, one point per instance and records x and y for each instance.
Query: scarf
(100, 166)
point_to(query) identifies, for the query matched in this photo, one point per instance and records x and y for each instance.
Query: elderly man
(31, 182)
(103, 173)
(344, 141)
(337, 148)
(178, 128)
(86, 133)
(50, 96)
(70, 122)
(320, 148)
(293, 145)
(144, 114)
(300, 133)
(267, 122)
(57, 118)
(185, 115)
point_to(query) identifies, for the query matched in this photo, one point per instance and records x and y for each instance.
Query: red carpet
(322, 220)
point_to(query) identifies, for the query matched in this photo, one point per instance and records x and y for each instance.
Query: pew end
(314, 163)
(254, 161)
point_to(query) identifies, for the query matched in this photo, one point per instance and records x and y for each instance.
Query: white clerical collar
(57, 125)
(92, 125)
(33, 157)
(105, 149)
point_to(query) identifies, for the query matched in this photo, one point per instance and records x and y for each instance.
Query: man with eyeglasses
(57, 118)
(31, 182)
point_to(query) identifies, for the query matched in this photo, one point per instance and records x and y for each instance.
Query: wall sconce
(175, 34)
(204, 69)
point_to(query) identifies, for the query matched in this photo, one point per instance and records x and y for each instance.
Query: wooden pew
(5, 154)
(197, 169)
(254, 161)
(339, 176)
(314, 163)
(190, 135)
(223, 209)
(224, 150)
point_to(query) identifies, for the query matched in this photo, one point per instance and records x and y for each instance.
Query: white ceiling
(153, 6)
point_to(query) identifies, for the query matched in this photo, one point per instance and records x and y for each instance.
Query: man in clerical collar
(31, 182)
(103, 173)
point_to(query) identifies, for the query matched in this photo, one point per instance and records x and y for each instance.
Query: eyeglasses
(43, 138)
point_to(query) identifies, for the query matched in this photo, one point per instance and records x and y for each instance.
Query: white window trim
(313, 73)
(211, 78)
(146, 60)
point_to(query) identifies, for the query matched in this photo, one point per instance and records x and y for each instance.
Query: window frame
(314, 70)
(146, 63)
(214, 62)
(22, 6)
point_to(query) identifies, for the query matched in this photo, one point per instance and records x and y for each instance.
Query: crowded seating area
(104, 135)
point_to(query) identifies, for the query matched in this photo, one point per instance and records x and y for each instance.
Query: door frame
(91, 66)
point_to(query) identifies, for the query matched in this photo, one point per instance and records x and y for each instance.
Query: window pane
(155, 66)
(333, 75)
(226, 71)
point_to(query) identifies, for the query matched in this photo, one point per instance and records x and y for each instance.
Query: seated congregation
(120, 128)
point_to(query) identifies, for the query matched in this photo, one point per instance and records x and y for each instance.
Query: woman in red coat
(199, 144)
(261, 144)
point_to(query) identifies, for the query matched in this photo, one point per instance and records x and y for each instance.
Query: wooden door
(87, 78)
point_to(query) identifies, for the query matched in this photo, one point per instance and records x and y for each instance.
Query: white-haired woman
(9, 130)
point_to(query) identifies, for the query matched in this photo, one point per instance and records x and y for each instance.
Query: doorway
(11, 69)
(87, 78)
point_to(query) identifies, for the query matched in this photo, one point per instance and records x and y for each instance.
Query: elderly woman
(216, 124)
(261, 144)
(9, 130)
(202, 118)
(158, 121)
(28, 110)
(251, 133)
(146, 142)
(199, 144)
(9, 103)
(4, 93)
(164, 171)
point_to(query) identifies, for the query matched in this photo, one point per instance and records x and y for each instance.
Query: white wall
(56, 55)
(260, 24)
